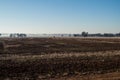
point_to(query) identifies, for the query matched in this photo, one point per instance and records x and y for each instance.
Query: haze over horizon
(59, 16)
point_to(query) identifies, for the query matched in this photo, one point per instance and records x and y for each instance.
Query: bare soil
(60, 59)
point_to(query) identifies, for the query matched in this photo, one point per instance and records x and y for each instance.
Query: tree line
(86, 34)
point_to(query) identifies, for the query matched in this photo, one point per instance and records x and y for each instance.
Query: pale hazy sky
(59, 16)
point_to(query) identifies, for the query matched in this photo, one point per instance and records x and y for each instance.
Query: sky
(59, 16)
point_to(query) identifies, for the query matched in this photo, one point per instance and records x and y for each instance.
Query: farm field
(60, 59)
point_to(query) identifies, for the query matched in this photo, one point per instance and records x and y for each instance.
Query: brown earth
(60, 59)
(106, 76)
(52, 45)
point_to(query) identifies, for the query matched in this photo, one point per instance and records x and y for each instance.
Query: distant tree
(84, 34)
(118, 34)
(11, 35)
(76, 35)
(108, 35)
(70, 35)
(62, 35)
(22, 35)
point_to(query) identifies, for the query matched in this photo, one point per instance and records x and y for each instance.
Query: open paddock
(60, 59)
